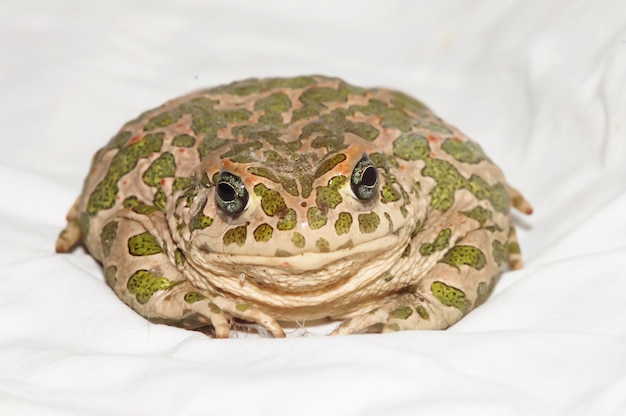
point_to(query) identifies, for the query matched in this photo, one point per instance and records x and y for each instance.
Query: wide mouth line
(373, 243)
(302, 262)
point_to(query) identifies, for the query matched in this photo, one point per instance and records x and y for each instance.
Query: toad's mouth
(297, 263)
(311, 275)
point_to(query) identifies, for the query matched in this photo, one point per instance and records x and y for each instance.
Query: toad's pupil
(226, 192)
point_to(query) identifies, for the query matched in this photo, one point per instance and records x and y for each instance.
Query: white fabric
(540, 84)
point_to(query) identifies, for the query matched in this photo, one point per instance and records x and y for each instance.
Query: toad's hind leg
(518, 201)
(70, 235)
(521, 204)
(460, 281)
(150, 280)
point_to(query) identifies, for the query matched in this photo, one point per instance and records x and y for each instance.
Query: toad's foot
(185, 306)
(408, 311)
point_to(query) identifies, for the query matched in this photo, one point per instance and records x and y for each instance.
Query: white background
(540, 84)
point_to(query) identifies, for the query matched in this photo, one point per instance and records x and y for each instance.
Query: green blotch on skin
(209, 144)
(450, 296)
(159, 199)
(343, 223)
(461, 255)
(271, 201)
(411, 146)
(329, 196)
(288, 221)
(329, 94)
(278, 102)
(298, 240)
(514, 248)
(322, 244)
(214, 308)
(436, 126)
(500, 252)
(389, 194)
(274, 105)
(162, 120)
(477, 186)
(200, 221)
(329, 164)
(479, 214)
(483, 291)
(236, 235)
(493, 228)
(110, 275)
(242, 307)
(384, 161)
(408, 103)
(314, 99)
(448, 179)
(144, 209)
(402, 312)
(466, 152)
(441, 242)
(263, 233)
(422, 312)
(500, 198)
(124, 161)
(133, 202)
(180, 184)
(144, 244)
(391, 327)
(264, 173)
(289, 184)
(107, 237)
(316, 218)
(179, 257)
(193, 297)
(144, 284)
(407, 251)
(368, 223)
(183, 140)
(273, 135)
(419, 226)
(330, 130)
(497, 194)
(364, 130)
(391, 117)
(388, 277)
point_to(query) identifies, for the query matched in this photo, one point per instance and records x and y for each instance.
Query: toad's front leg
(150, 280)
(460, 281)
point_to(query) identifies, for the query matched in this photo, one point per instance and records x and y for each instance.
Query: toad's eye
(230, 194)
(364, 179)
